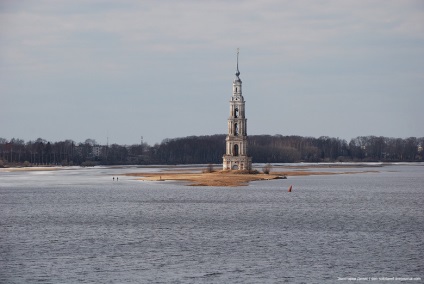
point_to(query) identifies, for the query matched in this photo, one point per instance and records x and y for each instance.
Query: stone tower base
(236, 162)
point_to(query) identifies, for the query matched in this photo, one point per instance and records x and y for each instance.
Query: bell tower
(235, 157)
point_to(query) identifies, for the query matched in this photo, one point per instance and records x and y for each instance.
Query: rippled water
(78, 225)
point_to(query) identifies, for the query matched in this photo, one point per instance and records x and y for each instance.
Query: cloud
(142, 50)
(290, 27)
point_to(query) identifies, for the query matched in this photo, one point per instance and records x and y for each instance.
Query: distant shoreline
(188, 167)
(195, 175)
(30, 169)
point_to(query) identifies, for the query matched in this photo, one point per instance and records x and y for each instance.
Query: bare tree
(209, 169)
(267, 169)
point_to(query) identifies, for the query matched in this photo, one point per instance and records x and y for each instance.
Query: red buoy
(290, 188)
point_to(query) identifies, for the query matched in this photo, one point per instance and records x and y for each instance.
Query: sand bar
(227, 178)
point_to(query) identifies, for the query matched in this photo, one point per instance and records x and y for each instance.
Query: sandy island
(228, 178)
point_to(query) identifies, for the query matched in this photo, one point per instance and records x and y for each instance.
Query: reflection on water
(79, 225)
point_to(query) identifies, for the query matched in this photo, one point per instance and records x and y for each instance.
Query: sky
(122, 71)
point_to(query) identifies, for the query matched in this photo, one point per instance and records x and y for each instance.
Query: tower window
(236, 130)
(236, 113)
(236, 150)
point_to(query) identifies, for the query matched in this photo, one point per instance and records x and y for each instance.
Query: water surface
(78, 225)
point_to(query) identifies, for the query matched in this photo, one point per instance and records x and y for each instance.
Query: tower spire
(237, 72)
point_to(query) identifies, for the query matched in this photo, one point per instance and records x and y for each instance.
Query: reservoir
(79, 225)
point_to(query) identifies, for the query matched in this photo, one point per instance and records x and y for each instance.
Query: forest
(209, 150)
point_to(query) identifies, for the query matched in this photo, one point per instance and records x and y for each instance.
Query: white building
(236, 157)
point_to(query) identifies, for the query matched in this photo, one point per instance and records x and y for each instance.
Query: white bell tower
(235, 157)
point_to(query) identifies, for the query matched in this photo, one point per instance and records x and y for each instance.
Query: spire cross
(238, 72)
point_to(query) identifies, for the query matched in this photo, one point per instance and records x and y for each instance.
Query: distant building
(235, 157)
(97, 150)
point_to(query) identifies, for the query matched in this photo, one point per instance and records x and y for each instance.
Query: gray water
(78, 225)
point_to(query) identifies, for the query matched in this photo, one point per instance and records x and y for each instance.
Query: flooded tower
(235, 157)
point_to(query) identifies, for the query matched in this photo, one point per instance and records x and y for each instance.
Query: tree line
(209, 150)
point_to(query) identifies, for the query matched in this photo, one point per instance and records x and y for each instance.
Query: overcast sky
(163, 69)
